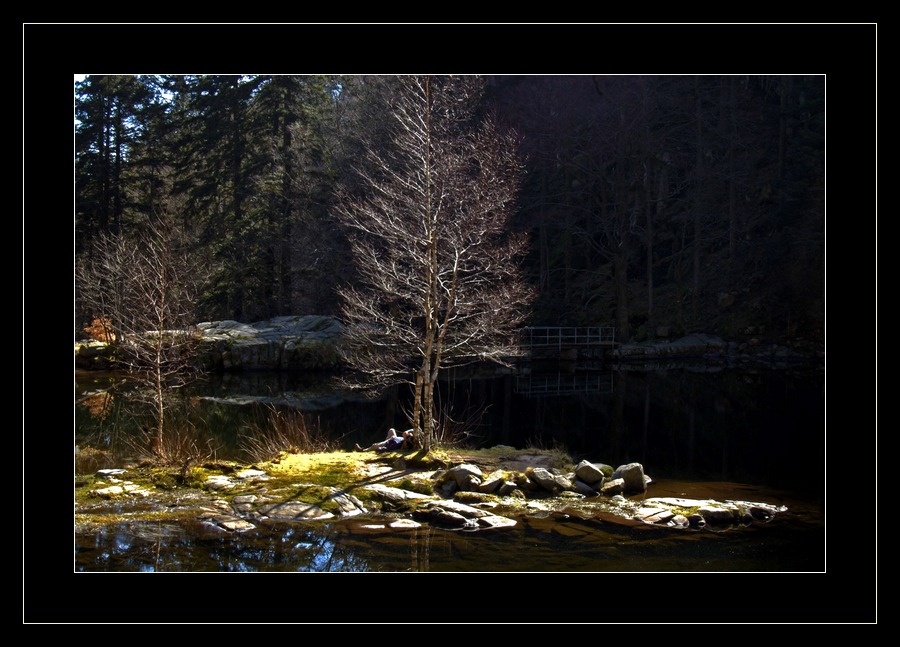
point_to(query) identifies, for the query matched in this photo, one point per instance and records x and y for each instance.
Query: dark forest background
(661, 204)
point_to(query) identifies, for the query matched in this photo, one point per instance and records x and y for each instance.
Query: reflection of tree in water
(173, 548)
(121, 429)
(98, 404)
(286, 549)
(420, 550)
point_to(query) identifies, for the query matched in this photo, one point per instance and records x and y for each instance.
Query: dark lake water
(699, 431)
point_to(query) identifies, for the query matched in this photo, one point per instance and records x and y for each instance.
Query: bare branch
(438, 277)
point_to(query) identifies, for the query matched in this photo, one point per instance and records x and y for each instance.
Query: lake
(699, 431)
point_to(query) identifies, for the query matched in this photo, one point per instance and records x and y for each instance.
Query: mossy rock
(423, 460)
(473, 497)
(417, 485)
(165, 480)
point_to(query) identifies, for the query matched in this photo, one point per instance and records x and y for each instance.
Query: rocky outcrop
(309, 342)
(454, 515)
(305, 343)
(712, 350)
(313, 342)
(671, 511)
(588, 479)
(92, 355)
(690, 346)
(459, 496)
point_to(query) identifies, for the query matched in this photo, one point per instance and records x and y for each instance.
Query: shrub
(283, 430)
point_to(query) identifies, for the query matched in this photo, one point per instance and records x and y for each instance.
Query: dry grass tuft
(283, 430)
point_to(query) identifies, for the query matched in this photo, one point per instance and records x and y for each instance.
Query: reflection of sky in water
(536, 545)
(123, 542)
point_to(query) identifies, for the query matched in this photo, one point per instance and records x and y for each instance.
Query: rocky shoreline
(313, 343)
(392, 492)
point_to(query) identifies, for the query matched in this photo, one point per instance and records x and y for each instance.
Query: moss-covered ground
(158, 492)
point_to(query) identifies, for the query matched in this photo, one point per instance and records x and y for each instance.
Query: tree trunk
(103, 134)
(158, 395)
(785, 87)
(116, 184)
(698, 203)
(544, 279)
(648, 243)
(285, 283)
(417, 406)
(620, 275)
(732, 189)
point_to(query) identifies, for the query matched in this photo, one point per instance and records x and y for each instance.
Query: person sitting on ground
(391, 443)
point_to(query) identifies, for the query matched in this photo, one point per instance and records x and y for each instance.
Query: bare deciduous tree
(144, 288)
(438, 279)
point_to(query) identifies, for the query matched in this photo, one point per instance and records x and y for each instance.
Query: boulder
(92, 355)
(583, 488)
(492, 482)
(716, 514)
(293, 511)
(544, 478)
(507, 488)
(632, 475)
(588, 473)
(466, 476)
(445, 518)
(394, 495)
(613, 486)
(453, 514)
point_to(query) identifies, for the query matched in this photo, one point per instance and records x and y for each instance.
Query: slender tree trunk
(620, 275)
(285, 283)
(732, 189)
(104, 146)
(648, 243)
(621, 227)
(680, 275)
(543, 247)
(544, 280)
(786, 85)
(646, 426)
(239, 291)
(431, 287)
(158, 397)
(698, 205)
(116, 184)
(417, 405)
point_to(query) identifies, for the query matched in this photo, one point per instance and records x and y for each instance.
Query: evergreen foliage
(674, 202)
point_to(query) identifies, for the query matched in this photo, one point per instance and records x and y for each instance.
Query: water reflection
(690, 425)
(764, 427)
(555, 543)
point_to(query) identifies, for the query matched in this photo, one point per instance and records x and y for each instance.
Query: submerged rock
(700, 512)
(452, 514)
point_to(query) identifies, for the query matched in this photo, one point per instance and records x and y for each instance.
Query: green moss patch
(413, 484)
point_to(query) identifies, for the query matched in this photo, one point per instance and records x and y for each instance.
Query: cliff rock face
(306, 342)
